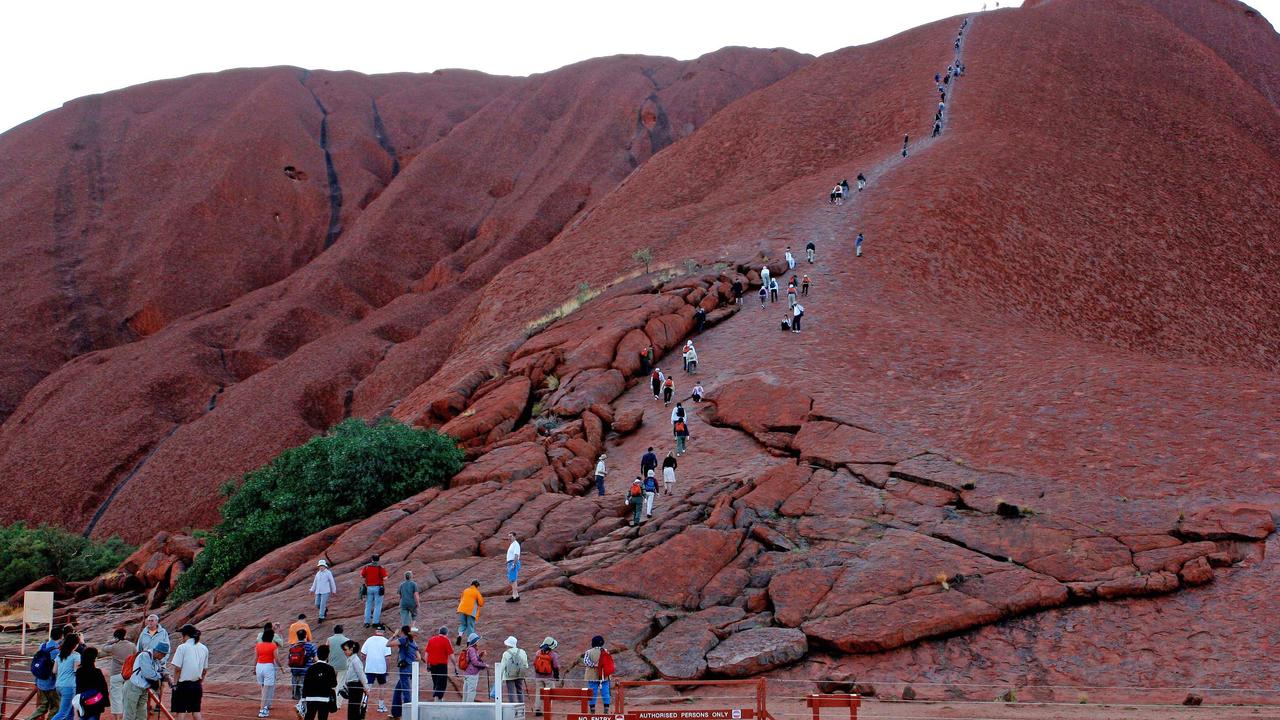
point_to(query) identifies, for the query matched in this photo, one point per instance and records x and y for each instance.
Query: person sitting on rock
(697, 392)
(810, 250)
(786, 322)
(791, 259)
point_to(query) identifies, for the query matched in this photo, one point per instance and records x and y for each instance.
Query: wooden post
(4, 690)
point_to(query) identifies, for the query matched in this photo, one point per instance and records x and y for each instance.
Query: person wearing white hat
(515, 666)
(322, 586)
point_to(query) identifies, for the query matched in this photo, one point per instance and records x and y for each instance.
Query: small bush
(30, 553)
(644, 256)
(350, 473)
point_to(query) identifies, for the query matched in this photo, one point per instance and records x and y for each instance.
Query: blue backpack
(42, 663)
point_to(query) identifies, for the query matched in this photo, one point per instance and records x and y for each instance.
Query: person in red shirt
(439, 650)
(374, 576)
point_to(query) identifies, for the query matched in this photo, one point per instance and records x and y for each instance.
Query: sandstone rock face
(1236, 521)
(755, 651)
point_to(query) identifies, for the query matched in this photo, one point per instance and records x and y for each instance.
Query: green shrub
(350, 473)
(30, 553)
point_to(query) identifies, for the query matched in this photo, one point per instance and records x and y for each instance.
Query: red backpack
(542, 663)
(462, 659)
(636, 490)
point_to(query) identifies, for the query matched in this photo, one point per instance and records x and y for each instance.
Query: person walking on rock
(513, 567)
(646, 359)
(375, 651)
(764, 296)
(857, 246)
(668, 390)
(336, 657)
(773, 290)
(791, 259)
(515, 666)
(764, 275)
(42, 667)
(810, 250)
(862, 181)
(635, 500)
(546, 671)
(408, 592)
(438, 651)
(736, 288)
(323, 586)
(266, 653)
(797, 313)
(375, 577)
(905, 139)
(471, 663)
(469, 609)
(650, 489)
(191, 660)
(680, 429)
(601, 471)
(302, 654)
(690, 359)
(699, 319)
(648, 461)
(669, 472)
(353, 680)
(804, 285)
(791, 295)
(300, 624)
(599, 673)
(655, 382)
(318, 685)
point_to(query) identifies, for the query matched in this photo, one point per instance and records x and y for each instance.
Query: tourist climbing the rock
(408, 592)
(736, 288)
(513, 567)
(302, 653)
(690, 359)
(318, 686)
(469, 609)
(354, 681)
(764, 275)
(648, 461)
(375, 577)
(669, 472)
(797, 313)
(773, 290)
(646, 359)
(323, 586)
(699, 319)
(937, 127)
(857, 246)
(266, 657)
(650, 489)
(438, 651)
(905, 140)
(937, 78)
(810, 250)
(804, 285)
(635, 500)
(546, 671)
(515, 666)
(837, 195)
(655, 382)
(599, 673)
(791, 294)
(336, 658)
(471, 664)
(677, 413)
(862, 182)
(764, 296)
(697, 392)
(844, 185)
(680, 429)
(407, 653)
(375, 651)
(601, 471)
(791, 259)
(668, 390)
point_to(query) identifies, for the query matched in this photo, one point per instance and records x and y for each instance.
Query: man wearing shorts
(375, 652)
(513, 567)
(191, 663)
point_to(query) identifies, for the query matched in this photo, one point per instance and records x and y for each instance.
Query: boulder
(504, 465)
(492, 416)
(756, 651)
(756, 406)
(678, 652)
(1230, 521)
(628, 421)
(672, 573)
(587, 388)
(1196, 572)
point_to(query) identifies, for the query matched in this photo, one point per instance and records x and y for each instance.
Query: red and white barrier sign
(718, 714)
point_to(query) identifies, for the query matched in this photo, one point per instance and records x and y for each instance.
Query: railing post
(413, 692)
(4, 691)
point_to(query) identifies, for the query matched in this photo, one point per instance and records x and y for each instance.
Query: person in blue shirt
(65, 675)
(148, 669)
(47, 700)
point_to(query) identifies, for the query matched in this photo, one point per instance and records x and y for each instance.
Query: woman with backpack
(92, 692)
(471, 664)
(668, 390)
(599, 672)
(64, 671)
(681, 431)
(515, 663)
(635, 500)
(353, 682)
(546, 671)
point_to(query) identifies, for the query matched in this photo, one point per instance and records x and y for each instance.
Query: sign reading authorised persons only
(735, 714)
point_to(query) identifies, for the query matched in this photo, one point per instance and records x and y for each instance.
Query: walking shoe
(263, 713)
(382, 707)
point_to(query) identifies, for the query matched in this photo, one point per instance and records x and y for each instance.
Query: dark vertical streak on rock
(380, 132)
(335, 188)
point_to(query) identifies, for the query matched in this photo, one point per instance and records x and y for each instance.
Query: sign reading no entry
(725, 714)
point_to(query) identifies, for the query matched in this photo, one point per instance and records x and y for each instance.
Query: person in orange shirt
(300, 624)
(375, 577)
(469, 610)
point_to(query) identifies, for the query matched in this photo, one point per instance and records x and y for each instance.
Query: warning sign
(729, 714)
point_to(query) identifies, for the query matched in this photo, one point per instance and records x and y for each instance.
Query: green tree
(644, 256)
(352, 472)
(30, 553)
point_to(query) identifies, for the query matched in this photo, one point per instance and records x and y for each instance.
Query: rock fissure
(334, 228)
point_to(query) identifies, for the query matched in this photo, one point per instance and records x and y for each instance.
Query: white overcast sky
(53, 51)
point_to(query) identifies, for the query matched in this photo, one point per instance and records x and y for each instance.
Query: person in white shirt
(322, 586)
(791, 259)
(797, 313)
(764, 276)
(375, 651)
(191, 661)
(513, 567)
(601, 471)
(677, 413)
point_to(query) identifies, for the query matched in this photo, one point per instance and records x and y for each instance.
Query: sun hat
(550, 643)
(510, 641)
(473, 638)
